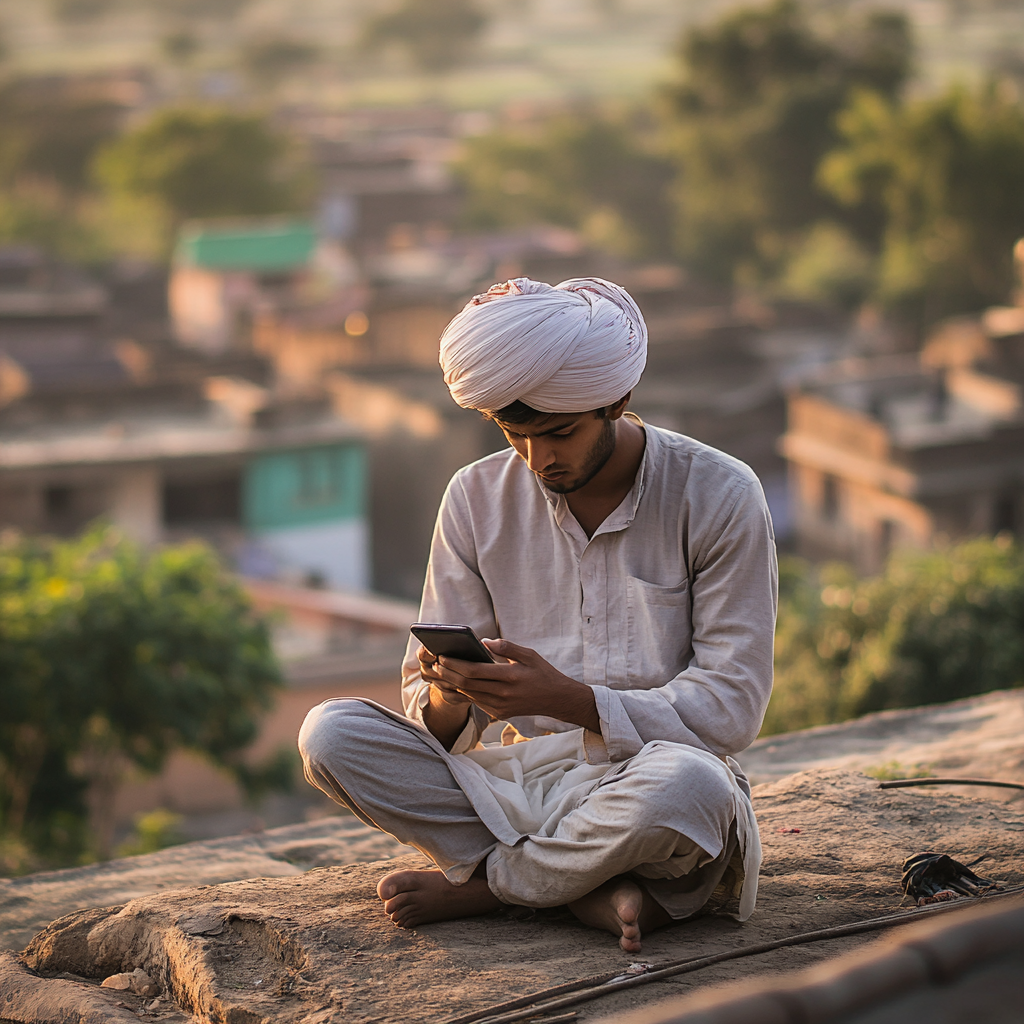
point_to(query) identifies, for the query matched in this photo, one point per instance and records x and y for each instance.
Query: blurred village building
(905, 450)
(277, 393)
(163, 443)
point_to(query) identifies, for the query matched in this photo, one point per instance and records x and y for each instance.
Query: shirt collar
(626, 512)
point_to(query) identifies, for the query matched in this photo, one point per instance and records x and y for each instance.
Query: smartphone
(449, 641)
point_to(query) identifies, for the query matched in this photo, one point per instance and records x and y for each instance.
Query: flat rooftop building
(900, 451)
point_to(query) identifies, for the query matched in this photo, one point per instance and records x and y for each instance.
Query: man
(631, 574)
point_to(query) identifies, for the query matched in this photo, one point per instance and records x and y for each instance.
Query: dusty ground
(30, 903)
(313, 947)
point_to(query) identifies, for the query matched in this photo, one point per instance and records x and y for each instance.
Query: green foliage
(947, 175)
(50, 135)
(40, 214)
(828, 266)
(933, 627)
(437, 34)
(155, 830)
(110, 658)
(204, 162)
(592, 172)
(48, 139)
(752, 119)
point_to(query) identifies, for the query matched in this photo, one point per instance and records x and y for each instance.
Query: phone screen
(450, 641)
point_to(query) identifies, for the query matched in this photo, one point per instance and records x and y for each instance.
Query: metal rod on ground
(904, 783)
(531, 1006)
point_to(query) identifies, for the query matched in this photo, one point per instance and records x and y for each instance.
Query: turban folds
(571, 347)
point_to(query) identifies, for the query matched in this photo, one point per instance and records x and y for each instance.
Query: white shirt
(667, 612)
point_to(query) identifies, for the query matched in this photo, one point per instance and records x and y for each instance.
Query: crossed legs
(390, 778)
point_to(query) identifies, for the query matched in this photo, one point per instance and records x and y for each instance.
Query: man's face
(565, 450)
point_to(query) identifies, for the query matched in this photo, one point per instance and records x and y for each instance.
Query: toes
(391, 885)
(407, 917)
(396, 903)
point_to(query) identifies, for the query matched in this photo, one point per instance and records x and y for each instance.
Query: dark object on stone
(926, 874)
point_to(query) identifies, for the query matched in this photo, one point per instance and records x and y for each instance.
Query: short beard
(597, 458)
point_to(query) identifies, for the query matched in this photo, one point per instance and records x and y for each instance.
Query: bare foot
(413, 898)
(620, 907)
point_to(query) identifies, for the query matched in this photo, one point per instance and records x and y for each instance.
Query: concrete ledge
(978, 949)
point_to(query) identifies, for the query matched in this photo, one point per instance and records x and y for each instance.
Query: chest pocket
(659, 632)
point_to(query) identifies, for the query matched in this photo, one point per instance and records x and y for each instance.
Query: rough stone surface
(29, 903)
(981, 737)
(314, 947)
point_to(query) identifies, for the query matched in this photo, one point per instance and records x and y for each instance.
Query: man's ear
(614, 412)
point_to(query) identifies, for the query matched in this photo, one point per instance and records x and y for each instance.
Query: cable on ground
(584, 990)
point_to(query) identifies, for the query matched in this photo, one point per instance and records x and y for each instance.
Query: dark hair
(518, 413)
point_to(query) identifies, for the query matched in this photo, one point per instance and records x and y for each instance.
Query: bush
(935, 626)
(110, 658)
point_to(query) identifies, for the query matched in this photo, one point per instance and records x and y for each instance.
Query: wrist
(444, 719)
(581, 707)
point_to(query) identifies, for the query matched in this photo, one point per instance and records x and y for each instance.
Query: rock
(121, 982)
(29, 903)
(142, 984)
(26, 998)
(315, 947)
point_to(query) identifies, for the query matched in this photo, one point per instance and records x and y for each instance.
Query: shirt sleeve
(453, 592)
(718, 701)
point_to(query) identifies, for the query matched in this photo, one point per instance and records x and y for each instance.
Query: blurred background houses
(231, 234)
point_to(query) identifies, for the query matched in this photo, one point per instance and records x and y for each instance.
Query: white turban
(577, 346)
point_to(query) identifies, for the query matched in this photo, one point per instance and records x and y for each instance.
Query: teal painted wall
(300, 487)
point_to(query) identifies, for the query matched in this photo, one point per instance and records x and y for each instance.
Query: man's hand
(525, 684)
(446, 714)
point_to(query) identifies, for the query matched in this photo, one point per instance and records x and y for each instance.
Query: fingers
(514, 652)
(455, 668)
(466, 675)
(428, 665)
(449, 694)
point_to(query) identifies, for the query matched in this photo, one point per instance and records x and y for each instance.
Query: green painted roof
(269, 245)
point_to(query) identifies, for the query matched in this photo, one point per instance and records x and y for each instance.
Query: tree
(751, 119)
(48, 134)
(111, 657)
(437, 34)
(934, 626)
(597, 174)
(946, 174)
(48, 139)
(204, 162)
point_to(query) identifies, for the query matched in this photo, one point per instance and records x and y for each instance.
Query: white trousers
(654, 816)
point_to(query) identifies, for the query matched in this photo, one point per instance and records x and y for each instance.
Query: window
(886, 539)
(58, 501)
(202, 500)
(320, 478)
(1004, 513)
(829, 498)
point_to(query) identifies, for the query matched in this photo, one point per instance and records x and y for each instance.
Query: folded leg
(391, 779)
(666, 817)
